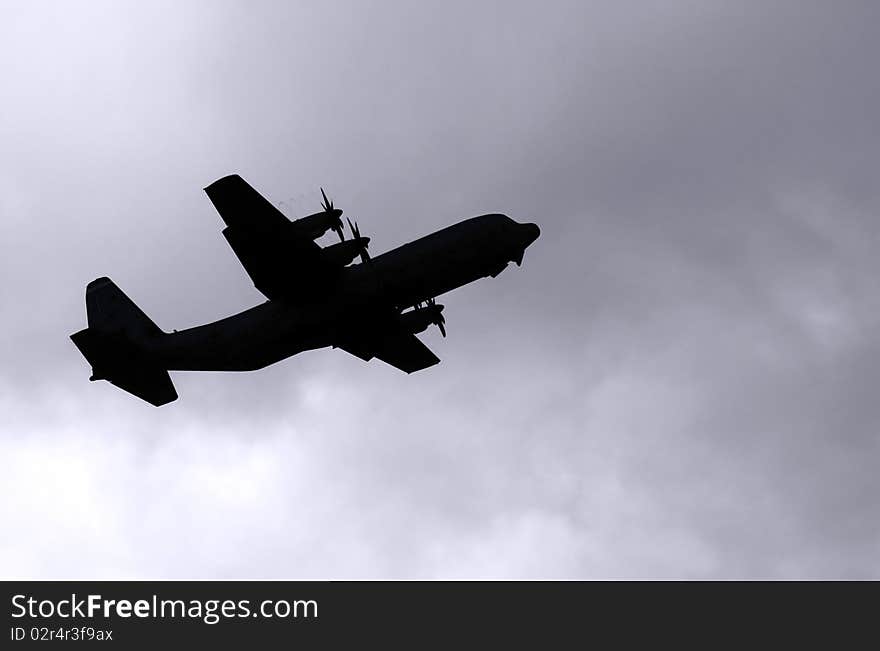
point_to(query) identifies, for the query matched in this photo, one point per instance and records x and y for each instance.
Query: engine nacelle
(343, 253)
(314, 226)
(416, 321)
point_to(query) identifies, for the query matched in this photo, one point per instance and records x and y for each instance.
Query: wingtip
(223, 180)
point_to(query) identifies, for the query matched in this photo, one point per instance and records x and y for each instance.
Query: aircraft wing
(396, 347)
(273, 255)
(240, 205)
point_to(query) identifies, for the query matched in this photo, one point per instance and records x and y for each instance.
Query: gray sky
(679, 382)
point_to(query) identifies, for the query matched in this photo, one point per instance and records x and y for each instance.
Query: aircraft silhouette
(317, 297)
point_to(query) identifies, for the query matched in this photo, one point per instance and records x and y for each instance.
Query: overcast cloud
(679, 382)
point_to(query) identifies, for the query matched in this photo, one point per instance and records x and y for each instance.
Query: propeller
(440, 320)
(362, 241)
(437, 319)
(327, 205)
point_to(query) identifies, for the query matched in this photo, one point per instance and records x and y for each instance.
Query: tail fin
(110, 310)
(110, 344)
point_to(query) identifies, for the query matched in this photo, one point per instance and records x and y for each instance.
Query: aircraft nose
(531, 233)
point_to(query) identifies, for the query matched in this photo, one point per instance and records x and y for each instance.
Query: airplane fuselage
(274, 330)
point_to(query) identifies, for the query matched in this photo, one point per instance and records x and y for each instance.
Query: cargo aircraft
(316, 296)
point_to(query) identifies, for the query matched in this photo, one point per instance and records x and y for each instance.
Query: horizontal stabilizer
(119, 362)
(151, 384)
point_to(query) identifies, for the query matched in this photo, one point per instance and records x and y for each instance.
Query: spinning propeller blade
(327, 205)
(438, 319)
(362, 241)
